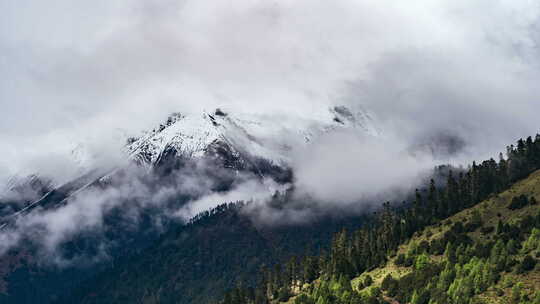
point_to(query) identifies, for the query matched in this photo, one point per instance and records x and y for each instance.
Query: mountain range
(114, 235)
(233, 148)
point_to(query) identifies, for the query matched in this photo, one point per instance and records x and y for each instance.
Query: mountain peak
(259, 135)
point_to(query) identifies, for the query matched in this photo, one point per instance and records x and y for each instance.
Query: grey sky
(93, 71)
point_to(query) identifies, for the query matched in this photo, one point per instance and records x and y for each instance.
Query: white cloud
(252, 191)
(344, 168)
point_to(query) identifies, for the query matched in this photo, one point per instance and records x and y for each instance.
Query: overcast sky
(92, 71)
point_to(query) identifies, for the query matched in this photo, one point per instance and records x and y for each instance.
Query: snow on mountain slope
(25, 188)
(264, 136)
(31, 185)
(242, 139)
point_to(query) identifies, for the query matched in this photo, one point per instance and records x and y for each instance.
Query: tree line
(352, 254)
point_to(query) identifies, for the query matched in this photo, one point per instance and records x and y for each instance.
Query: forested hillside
(198, 262)
(474, 240)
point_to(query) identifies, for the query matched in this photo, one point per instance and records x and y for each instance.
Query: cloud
(457, 74)
(120, 203)
(252, 191)
(76, 72)
(344, 168)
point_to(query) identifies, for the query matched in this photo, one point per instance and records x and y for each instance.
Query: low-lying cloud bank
(121, 202)
(344, 168)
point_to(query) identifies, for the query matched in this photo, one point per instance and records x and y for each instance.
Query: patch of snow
(267, 136)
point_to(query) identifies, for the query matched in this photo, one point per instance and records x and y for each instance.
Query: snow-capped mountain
(233, 135)
(261, 136)
(257, 143)
(118, 205)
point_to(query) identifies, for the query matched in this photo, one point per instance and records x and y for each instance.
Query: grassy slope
(491, 210)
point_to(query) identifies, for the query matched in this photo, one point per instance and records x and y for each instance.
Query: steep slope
(252, 143)
(19, 192)
(484, 254)
(474, 239)
(232, 146)
(198, 262)
(486, 217)
(22, 192)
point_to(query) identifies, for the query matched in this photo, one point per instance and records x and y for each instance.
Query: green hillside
(490, 212)
(418, 268)
(418, 256)
(475, 239)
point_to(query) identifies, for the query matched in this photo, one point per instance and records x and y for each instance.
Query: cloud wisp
(122, 202)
